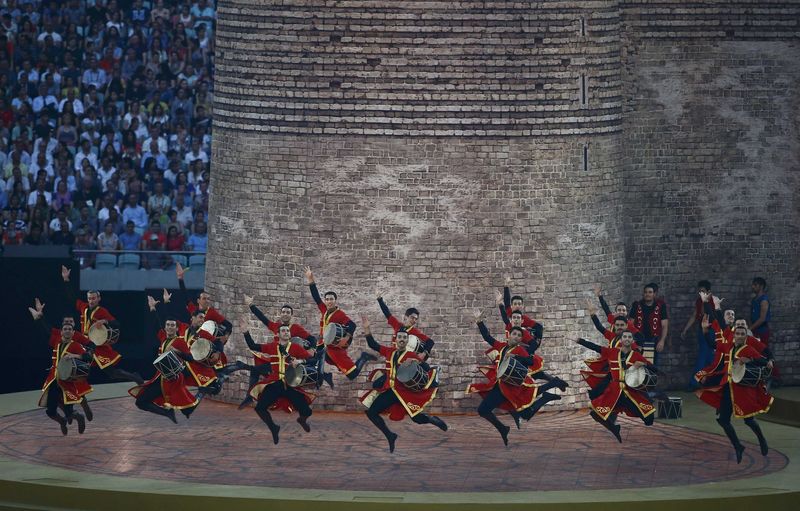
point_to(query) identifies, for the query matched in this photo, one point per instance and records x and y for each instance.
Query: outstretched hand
(478, 315)
(65, 273)
(166, 296)
(498, 298)
(151, 303)
(248, 300)
(179, 271)
(598, 291)
(309, 275)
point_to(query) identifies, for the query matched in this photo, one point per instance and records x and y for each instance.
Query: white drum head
(98, 334)
(201, 349)
(209, 327)
(413, 343)
(634, 377)
(738, 372)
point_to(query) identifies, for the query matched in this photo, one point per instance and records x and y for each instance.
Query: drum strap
(166, 345)
(395, 358)
(88, 318)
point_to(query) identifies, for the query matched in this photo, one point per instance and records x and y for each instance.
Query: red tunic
(598, 367)
(410, 402)
(538, 362)
(338, 356)
(527, 321)
(211, 314)
(72, 392)
(631, 325)
(271, 354)
(104, 355)
(397, 325)
(174, 393)
(747, 401)
(202, 374)
(517, 398)
(606, 403)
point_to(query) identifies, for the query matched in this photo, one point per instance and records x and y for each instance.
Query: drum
(411, 374)
(70, 369)
(209, 327)
(642, 378)
(98, 334)
(201, 350)
(302, 375)
(415, 345)
(749, 375)
(169, 364)
(334, 335)
(511, 371)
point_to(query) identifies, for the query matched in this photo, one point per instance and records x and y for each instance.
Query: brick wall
(428, 149)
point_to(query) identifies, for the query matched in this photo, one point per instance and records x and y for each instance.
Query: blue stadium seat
(129, 261)
(197, 262)
(105, 262)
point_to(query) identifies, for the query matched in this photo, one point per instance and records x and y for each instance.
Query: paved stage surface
(222, 458)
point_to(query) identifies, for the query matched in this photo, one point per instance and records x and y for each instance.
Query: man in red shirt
(153, 239)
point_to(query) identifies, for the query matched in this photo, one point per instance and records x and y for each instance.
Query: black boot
(61, 422)
(516, 416)
(115, 373)
(762, 442)
(439, 423)
(273, 428)
(542, 400)
(378, 421)
(81, 422)
(734, 439)
(328, 377)
(87, 410)
(501, 428)
(246, 401)
(303, 421)
(360, 363)
(153, 408)
(608, 424)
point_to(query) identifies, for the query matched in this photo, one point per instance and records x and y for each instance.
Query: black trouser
(625, 402)
(144, 401)
(382, 402)
(54, 399)
(275, 391)
(492, 400)
(724, 414)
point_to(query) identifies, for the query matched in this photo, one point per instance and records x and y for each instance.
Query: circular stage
(220, 445)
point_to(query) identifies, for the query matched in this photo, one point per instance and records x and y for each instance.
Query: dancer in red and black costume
(517, 303)
(498, 394)
(620, 309)
(394, 398)
(331, 313)
(616, 396)
(296, 331)
(161, 395)
(730, 398)
(271, 391)
(62, 393)
(105, 357)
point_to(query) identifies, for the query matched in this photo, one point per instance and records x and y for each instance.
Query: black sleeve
(665, 314)
(507, 296)
(153, 323)
(311, 339)
(254, 346)
(592, 346)
(485, 333)
(632, 311)
(428, 345)
(219, 346)
(315, 293)
(184, 295)
(503, 315)
(538, 332)
(760, 361)
(228, 326)
(350, 327)
(260, 315)
(425, 367)
(384, 308)
(43, 325)
(69, 293)
(604, 305)
(372, 343)
(597, 324)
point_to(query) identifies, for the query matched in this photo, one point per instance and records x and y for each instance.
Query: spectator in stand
(35, 236)
(159, 204)
(135, 212)
(153, 239)
(130, 239)
(108, 239)
(59, 220)
(84, 242)
(63, 236)
(40, 192)
(12, 235)
(198, 242)
(86, 220)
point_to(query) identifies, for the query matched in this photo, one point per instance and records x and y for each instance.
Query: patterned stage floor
(555, 451)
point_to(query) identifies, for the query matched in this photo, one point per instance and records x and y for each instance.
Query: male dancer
(271, 391)
(331, 313)
(160, 395)
(616, 396)
(91, 313)
(620, 309)
(516, 303)
(394, 398)
(497, 393)
(57, 392)
(730, 398)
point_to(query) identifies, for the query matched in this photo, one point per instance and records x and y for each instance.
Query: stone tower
(425, 150)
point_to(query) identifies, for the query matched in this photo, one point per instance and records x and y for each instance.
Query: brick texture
(428, 149)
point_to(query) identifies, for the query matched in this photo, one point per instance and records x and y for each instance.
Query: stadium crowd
(105, 124)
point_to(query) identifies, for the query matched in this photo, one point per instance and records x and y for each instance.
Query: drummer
(518, 397)
(394, 398)
(336, 352)
(202, 372)
(163, 395)
(721, 391)
(66, 392)
(617, 397)
(272, 392)
(92, 315)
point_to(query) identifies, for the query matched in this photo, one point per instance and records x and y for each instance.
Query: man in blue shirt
(130, 239)
(198, 242)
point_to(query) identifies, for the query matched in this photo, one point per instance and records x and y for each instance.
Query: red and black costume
(160, 395)
(498, 394)
(730, 398)
(333, 354)
(201, 374)
(527, 321)
(271, 391)
(617, 396)
(611, 317)
(64, 393)
(211, 314)
(397, 400)
(647, 320)
(427, 342)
